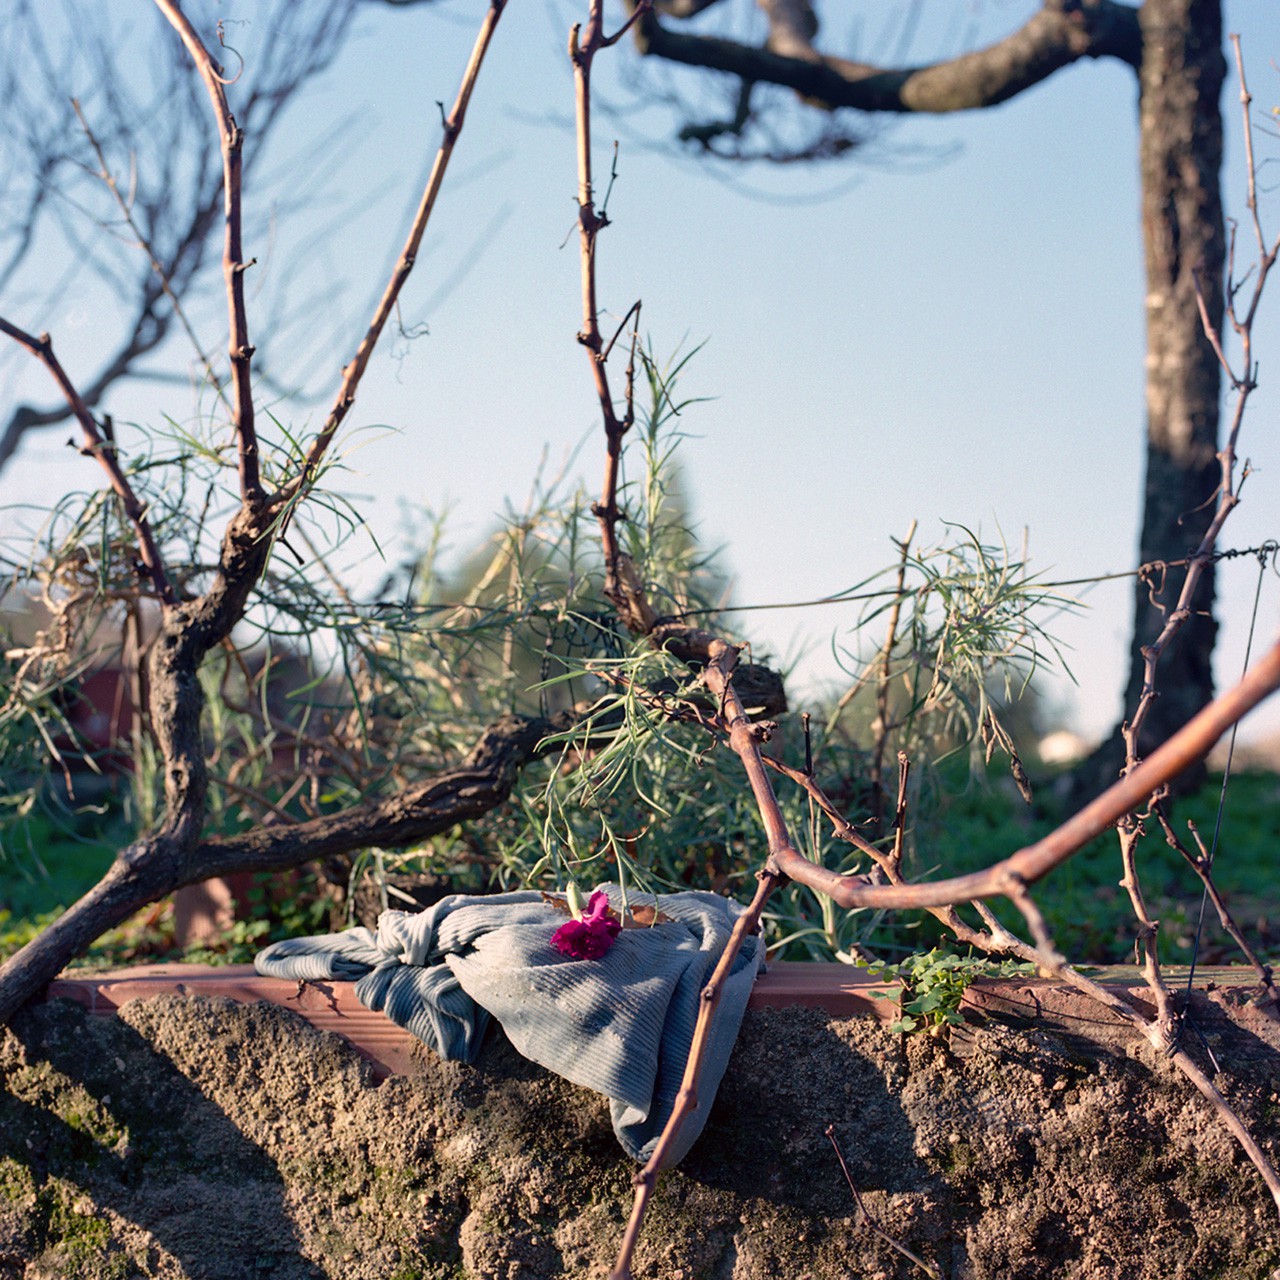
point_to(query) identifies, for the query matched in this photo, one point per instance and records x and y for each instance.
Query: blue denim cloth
(621, 1025)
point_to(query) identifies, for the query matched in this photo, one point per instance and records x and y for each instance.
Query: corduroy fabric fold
(621, 1025)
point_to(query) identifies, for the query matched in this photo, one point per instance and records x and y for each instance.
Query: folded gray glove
(621, 1025)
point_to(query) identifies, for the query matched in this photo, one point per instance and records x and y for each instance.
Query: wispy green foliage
(325, 700)
(966, 635)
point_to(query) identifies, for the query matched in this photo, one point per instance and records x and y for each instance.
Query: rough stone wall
(205, 1139)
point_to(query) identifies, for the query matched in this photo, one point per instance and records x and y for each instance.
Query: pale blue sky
(956, 341)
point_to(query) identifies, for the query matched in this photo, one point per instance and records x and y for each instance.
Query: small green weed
(933, 986)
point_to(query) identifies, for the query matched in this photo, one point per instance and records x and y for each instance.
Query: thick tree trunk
(1175, 47)
(1180, 84)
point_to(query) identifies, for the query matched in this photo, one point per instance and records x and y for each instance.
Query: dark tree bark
(1175, 47)
(1180, 152)
(1061, 33)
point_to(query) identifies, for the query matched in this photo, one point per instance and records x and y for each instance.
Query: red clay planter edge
(332, 1006)
(840, 990)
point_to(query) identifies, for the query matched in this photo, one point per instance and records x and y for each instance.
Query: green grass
(51, 863)
(974, 826)
(1088, 912)
(45, 865)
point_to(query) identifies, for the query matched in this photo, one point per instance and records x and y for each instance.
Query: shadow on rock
(89, 1113)
(792, 1075)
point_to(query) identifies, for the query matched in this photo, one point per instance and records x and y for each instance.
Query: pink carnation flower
(592, 936)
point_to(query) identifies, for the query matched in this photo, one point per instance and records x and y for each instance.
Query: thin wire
(1263, 553)
(845, 597)
(848, 596)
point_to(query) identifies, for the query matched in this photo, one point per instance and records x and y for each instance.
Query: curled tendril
(222, 44)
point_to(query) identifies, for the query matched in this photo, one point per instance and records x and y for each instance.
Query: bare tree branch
(104, 451)
(792, 27)
(188, 629)
(622, 587)
(174, 198)
(1062, 32)
(127, 213)
(351, 375)
(240, 350)
(1190, 744)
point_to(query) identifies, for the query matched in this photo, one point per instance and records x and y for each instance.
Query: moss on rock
(202, 1138)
